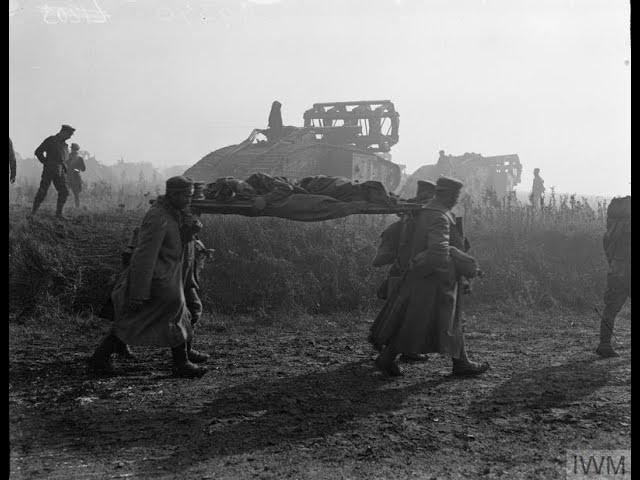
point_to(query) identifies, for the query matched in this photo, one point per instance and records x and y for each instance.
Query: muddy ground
(300, 398)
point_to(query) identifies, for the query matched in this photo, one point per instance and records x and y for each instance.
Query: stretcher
(300, 207)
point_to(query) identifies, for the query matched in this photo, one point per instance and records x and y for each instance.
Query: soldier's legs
(195, 308)
(464, 367)
(611, 309)
(76, 198)
(182, 366)
(60, 182)
(41, 194)
(616, 294)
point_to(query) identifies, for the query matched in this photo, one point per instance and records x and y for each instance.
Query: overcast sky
(170, 81)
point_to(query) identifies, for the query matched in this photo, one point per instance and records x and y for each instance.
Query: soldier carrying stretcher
(155, 299)
(423, 314)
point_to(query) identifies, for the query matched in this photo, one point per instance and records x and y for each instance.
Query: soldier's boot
(195, 356)
(463, 367)
(100, 362)
(467, 368)
(386, 362)
(182, 367)
(123, 350)
(414, 357)
(605, 349)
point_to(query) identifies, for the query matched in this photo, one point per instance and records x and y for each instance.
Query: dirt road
(300, 399)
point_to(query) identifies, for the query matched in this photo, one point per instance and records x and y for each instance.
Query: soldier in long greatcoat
(149, 301)
(423, 315)
(194, 256)
(394, 249)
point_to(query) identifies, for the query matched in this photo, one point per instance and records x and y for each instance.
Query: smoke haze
(168, 82)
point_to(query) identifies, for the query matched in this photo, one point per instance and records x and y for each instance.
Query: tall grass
(541, 258)
(533, 259)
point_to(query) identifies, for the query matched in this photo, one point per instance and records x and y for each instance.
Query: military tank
(498, 174)
(342, 139)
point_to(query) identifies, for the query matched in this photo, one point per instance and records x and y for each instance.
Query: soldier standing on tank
(53, 153)
(444, 166)
(75, 164)
(617, 247)
(275, 122)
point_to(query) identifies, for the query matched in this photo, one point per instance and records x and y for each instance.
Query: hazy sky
(170, 81)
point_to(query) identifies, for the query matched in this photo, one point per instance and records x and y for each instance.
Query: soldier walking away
(424, 313)
(12, 163)
(394, 251)
(75, 164)
(537, 190)
(53, 153)
(617, 247)
(149, 301)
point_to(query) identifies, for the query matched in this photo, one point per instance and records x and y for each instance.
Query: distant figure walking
(537, 190)
(12, 163)
(53, 153)
(75, 164)
(275, 122)
(617, 247)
